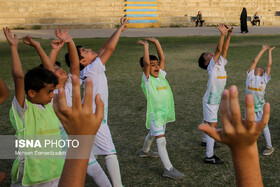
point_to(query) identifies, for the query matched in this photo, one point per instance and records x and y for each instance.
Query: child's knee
(161, 141)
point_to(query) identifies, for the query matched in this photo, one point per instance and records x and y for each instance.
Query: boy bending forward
(160, 109)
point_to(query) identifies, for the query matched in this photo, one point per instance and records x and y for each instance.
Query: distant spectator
(256, 19)
(199, 19)
(243, 21)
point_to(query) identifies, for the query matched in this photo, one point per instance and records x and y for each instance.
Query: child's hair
(152, 57)
(56, 63)
(67, 60)
(36, 78)
(201, 61)
(261, 68)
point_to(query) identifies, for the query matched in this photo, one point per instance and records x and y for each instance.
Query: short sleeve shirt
(255, 85)
(217, 81)
(96, 72)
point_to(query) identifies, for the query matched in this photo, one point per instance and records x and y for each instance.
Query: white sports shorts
(155, 130)
(210, 112)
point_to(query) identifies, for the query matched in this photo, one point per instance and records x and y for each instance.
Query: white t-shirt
(217, 81)
(96, 72)
(255, 85)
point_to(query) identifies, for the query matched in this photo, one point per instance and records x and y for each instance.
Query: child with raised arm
(160, 106)
(33, 115)
(92, 66)
(99, 176)
(215, 66)
(256, 82)
(241, 136)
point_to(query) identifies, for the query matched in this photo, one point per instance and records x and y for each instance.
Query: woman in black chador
(243, 21)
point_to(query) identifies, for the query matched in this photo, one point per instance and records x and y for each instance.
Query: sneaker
(173, 173)
(149, 154)
(213, 160)
(216, 145)
(268, 151)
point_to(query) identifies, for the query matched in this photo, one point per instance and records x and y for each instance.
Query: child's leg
(203, 135)
(209, 146)
(113, 168)
(103, 145)
(210, 142)
(148, 142)
(161, 145)
(159, 133)
(267, 136)
(96, 172)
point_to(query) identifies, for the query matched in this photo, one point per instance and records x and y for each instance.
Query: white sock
(148, 142)
(161, 145)
(113, 168)
(203, 136)
(96, 172)
(267, 136)
(209, 146)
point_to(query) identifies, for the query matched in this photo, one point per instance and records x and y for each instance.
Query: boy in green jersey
(32, 115)
(160, 106)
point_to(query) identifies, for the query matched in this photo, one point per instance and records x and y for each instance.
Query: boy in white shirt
(214, 64)
(160, 106)
(256, 82)
(92, 65)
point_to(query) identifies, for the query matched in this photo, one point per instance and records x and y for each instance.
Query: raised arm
(72, 51)
(109, 48)
(56, 46)
(28, 40)
(4, 91)
(226, 44)
(241, 136)
(146, 58)
(105, 45)
(256, 60)
(269, 64)
(17, 71)
(223, 30)
(159, 52)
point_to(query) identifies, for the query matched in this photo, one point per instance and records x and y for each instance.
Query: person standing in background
(243, 21)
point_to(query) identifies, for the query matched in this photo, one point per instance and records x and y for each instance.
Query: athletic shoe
(213, 160)
(149, 154)
(203, 144)
(173, 174)
(268, 151)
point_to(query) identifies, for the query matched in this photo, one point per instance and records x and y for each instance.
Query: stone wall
(106, 13)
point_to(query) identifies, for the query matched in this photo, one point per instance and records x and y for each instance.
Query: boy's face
(44, 96)
(154, 68)
(259, 72)
(207, 56)
(61, 74)
(88, 56)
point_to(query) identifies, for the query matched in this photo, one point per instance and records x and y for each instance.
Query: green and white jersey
(217, 81)
(255, 85)
(35, 120)
(160, 102)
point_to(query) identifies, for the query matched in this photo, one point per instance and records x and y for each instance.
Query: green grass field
(127, 107)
